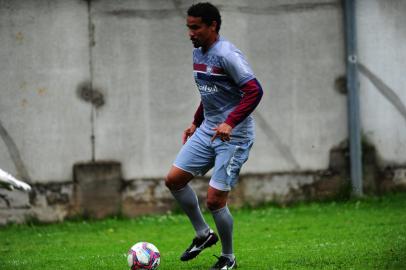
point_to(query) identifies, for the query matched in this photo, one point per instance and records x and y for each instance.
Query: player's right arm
(198, 119)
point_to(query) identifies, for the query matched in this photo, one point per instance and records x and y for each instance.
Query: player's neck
(213, 39)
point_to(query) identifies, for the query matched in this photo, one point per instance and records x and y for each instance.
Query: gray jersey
(219, 74)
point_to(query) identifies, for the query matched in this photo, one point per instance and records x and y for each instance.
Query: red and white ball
(143, 255)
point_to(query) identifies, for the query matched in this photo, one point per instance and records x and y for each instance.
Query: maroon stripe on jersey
(217, 70)
(199, 67)
(252, 95)
(203, 67)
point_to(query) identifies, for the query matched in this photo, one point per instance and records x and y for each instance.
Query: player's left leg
(230, 156)
(217, 203)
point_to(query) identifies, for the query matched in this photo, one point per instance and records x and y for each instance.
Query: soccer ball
(143, 255)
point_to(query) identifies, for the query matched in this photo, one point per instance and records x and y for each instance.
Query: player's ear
(213, 26)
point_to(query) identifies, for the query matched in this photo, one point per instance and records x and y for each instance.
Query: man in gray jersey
(221, 134)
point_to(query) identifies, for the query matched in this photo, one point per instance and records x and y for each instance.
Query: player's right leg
(176, 181)
(195, 158)
(177, 178)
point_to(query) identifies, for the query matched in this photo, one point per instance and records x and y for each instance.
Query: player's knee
(173, 183)
(177, 179)
(215, 204)
(169, 183)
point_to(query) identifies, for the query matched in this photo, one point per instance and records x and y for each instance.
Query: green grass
(365, 234)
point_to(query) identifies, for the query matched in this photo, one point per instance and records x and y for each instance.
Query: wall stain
(14, 154)
(41, 91)
(384, 89)
(19, 37)
(24, 102)
(340, 85)
(273, 136)
(86, 92)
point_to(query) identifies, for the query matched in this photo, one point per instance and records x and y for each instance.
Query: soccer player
(221, 134)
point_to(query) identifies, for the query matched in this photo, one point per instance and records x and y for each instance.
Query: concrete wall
(139, 58)
(133, 59)
(382, 58)
(142, 61)
(44, 55)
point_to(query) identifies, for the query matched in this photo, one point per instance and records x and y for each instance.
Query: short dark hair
(208, 12)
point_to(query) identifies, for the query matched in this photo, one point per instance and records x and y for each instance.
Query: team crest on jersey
(209, 69)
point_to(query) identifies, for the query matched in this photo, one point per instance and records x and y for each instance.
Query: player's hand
(188, 133)
(223, 131)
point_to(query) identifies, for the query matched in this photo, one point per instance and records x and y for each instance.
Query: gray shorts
(198, 155)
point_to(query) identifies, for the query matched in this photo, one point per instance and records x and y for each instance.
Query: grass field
(364, 234)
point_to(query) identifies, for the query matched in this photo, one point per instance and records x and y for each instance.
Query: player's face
(200, 34)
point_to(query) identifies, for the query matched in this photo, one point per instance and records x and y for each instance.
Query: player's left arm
(252, 94)
(242, 74)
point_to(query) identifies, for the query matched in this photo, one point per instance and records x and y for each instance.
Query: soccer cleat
(198, 245)
(224, 263)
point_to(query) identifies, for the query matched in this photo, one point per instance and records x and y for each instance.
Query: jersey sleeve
(252, 95)
(199, 115)
(237, 67)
